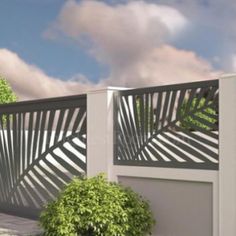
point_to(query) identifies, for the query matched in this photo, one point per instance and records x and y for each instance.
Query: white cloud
(29, 82)
(164, 65)
(132, 39)
(121, 33)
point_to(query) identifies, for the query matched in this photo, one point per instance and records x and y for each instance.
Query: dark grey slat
(171, 108)
(197, 137)
(137, 122)
(19, 198)
(31, 191)
(80, 114)
(201, 130)
(186, 148)
(43, 192)
(6, 178)
(190, 100)
(49, 128)
(23, 150)
(59, 125)
(47, 186)
(73, 157)
(156, 150)
(26, 195)
(68, 121)
(10, 156)
(212, 116)
(211, 94)
(158, 110)
(29, 141)
(180, 102)
(71, 169)
(176, 151)
(44, 104)
(127, 125)
(19, 144)
(147, 155)
(146, 115)
(57, 172)
(132, 127)
(151, 114)
(123, 130)
(52, 177)
(122, 154)
(9, 151)
(78, 148)
(121, 145)
(163, 152)
(165, 108)
(36, 134)
(41, 134)
(204, 122)
(194, 143)
(172, 87)
(122, 141)
(83, 128)
(200, 96)
(142, 118)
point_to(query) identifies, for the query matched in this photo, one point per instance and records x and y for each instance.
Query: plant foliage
(96, 207)
(196, 111)
(6, 93)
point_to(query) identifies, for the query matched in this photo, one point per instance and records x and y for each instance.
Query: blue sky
(70, 46)
(22, 25)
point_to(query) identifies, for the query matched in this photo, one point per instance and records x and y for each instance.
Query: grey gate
(42, 146)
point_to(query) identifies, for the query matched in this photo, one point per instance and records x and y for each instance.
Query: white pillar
(100, 132)
(227, 156)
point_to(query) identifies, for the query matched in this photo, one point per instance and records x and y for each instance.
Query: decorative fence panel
(42, 145)
(172, 126)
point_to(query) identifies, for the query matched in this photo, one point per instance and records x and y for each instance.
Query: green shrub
(189, 120)
(6, 93)
(6, 96)
(96, 207)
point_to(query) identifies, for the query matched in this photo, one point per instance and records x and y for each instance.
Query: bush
(6, 93)
(96, 207)
(189, 120)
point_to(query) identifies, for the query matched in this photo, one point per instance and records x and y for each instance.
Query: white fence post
(100, 132)
(227, 156)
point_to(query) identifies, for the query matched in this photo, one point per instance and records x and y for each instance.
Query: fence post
(100, 132)
(227, 156)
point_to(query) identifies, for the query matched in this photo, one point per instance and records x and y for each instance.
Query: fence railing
(172, 126)
(42, 145)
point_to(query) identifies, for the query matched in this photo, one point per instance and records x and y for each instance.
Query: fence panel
(42, 146)
(172, 126)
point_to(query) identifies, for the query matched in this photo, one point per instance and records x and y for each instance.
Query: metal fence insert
(173, 126)
(42, 146)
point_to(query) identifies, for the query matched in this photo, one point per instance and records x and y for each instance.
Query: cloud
(29, 82)
(132, 39)
(121, 33)
(164, 65)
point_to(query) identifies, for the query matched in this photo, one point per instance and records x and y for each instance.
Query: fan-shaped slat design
(42, 146)
(168, 126)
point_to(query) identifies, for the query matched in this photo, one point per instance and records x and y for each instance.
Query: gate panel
(42, 146)
(173, 126)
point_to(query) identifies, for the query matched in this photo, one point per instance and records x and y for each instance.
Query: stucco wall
(181, 208)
